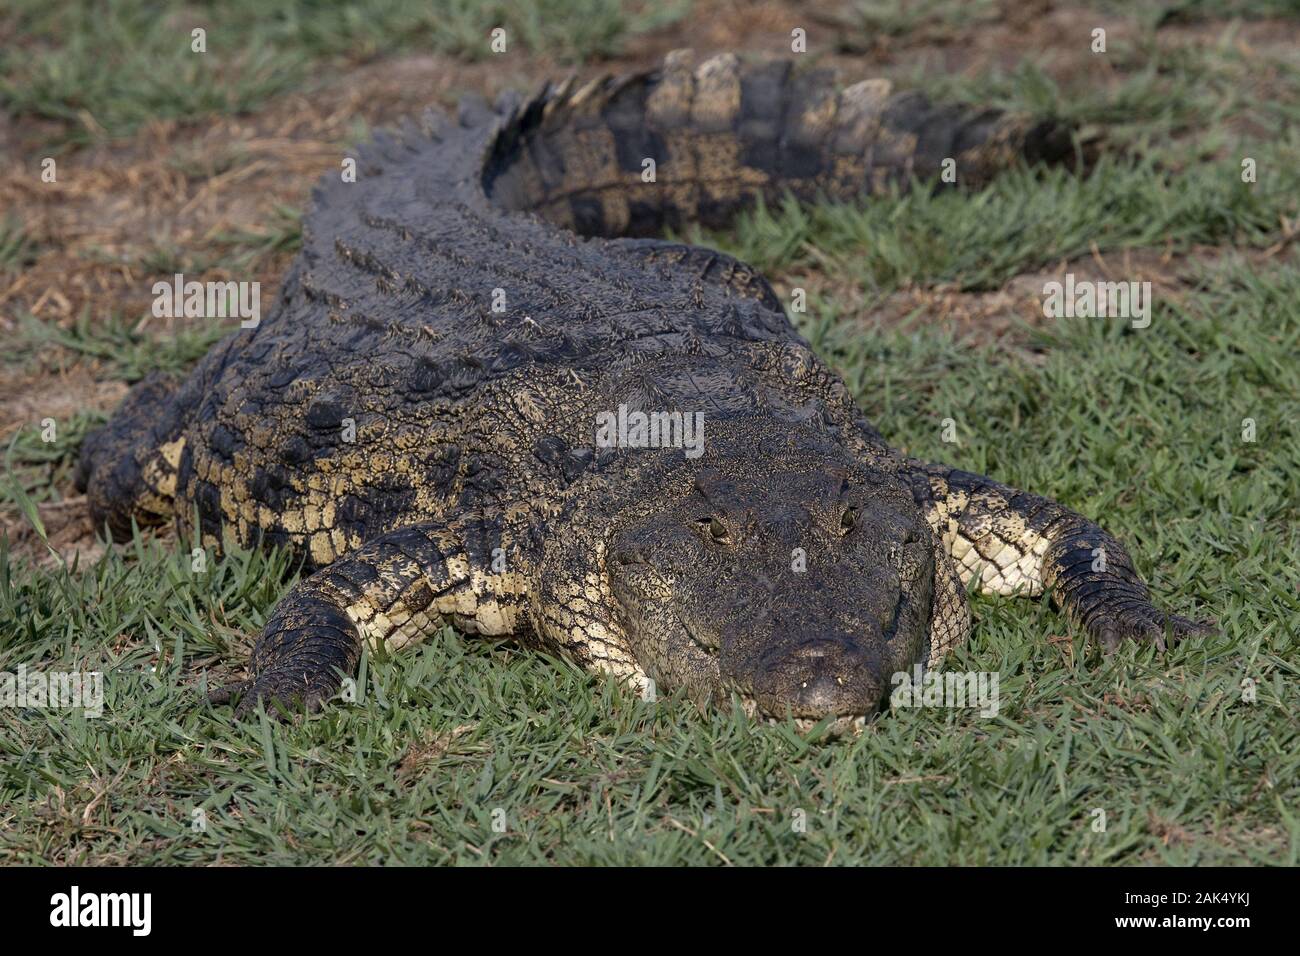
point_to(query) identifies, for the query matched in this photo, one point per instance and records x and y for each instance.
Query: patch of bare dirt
(68, 531)
(28, 396)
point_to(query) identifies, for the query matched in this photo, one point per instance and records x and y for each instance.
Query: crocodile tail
(633, 155)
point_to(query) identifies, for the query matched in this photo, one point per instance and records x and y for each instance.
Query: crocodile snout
(819, 677)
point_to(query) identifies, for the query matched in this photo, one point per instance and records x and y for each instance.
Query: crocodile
(490, 394)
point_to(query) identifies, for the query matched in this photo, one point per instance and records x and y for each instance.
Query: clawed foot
(281, 694)
(1146, 626)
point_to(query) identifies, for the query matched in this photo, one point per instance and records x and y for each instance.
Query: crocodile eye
(848, 520)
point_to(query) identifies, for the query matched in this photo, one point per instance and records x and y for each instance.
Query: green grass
(1142, 428)
(125, 352)
(17, 249)
(1027, 219)
(1174, 102)
(101, 70)
(905, 18)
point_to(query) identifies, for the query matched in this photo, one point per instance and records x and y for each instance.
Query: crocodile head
(802, 589)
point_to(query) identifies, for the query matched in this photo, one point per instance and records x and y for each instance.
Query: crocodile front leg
(1020, 543)
(392, 591)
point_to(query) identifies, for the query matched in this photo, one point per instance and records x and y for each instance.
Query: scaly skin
(417, 416)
